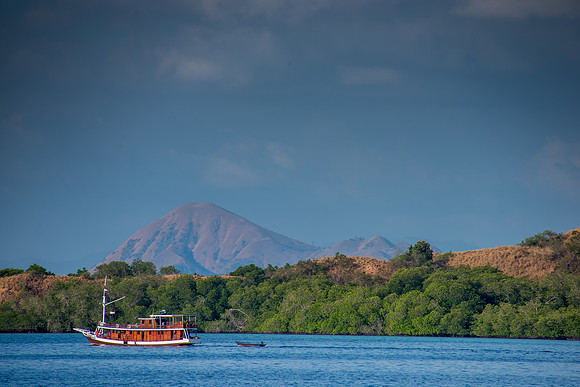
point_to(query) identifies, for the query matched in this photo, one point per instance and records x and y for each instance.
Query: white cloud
(218, 56)
(249, 163)
(367, 75)
(558, 166)
(196, 69)
(519, 9)
(280, 154)
(225, 172)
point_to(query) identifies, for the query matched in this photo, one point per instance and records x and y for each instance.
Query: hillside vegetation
(534, 292)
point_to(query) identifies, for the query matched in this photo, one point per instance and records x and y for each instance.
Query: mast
(105, 303)
(104, 299)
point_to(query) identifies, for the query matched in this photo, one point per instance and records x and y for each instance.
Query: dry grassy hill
(517, 261)
(34, 284)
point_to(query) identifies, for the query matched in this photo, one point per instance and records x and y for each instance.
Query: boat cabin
(155, 328)
(155, 321)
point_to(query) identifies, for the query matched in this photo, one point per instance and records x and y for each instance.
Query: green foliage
(543, 239)
(168, 270)
(419, 254)
(138, 267)
(317, 297)
(37, 270)
(8, 272)
(113, 269)
(81, 273)
(565, 249)
(253, 274)
(406, 280)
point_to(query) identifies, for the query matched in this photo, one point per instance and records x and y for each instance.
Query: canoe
(242, 344)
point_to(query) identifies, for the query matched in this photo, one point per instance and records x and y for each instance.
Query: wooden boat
(242, 344)
(156, 330)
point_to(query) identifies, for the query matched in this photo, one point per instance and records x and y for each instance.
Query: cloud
(225, 172)
(367, 75)
(558, 166)
(519, 9)
(195, 69)
(213, 55)
(248, 163)
(280, 155)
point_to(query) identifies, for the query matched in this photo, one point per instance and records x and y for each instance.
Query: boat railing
(178, 325)
(109, 325)
(148, 326)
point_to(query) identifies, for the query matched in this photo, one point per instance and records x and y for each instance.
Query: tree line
(422, 297)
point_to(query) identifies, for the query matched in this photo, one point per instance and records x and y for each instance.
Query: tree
(81, 273)
(252, 273)
(8, 272)
(404, 280)
(543, 239)
(420, 253)
(113, 269)
(168, 270)
(36, 269)
(250, 269)
(138, 267)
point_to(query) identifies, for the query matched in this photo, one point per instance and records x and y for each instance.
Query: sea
(290, 360)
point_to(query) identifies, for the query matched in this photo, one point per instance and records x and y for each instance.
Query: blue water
(291, 360)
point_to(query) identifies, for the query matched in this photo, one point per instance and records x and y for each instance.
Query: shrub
(8, 272)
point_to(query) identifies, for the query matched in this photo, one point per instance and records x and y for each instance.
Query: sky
(453, 121)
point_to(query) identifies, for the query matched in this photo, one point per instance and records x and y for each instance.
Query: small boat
(242, 344)
(156, 330)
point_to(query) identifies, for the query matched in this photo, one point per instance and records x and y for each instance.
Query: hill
(517, 261)
(35, 285)
(533, 262)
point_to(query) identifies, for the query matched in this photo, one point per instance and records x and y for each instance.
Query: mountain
(375, 247)
(207, 239)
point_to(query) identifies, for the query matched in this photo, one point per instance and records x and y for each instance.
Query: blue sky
(455, 121)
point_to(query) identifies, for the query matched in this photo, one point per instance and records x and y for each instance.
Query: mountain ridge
(207, 239)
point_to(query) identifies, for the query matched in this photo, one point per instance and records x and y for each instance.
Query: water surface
(68, 359)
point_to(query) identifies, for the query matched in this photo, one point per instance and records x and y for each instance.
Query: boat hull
(95, 340)
(240, 344)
